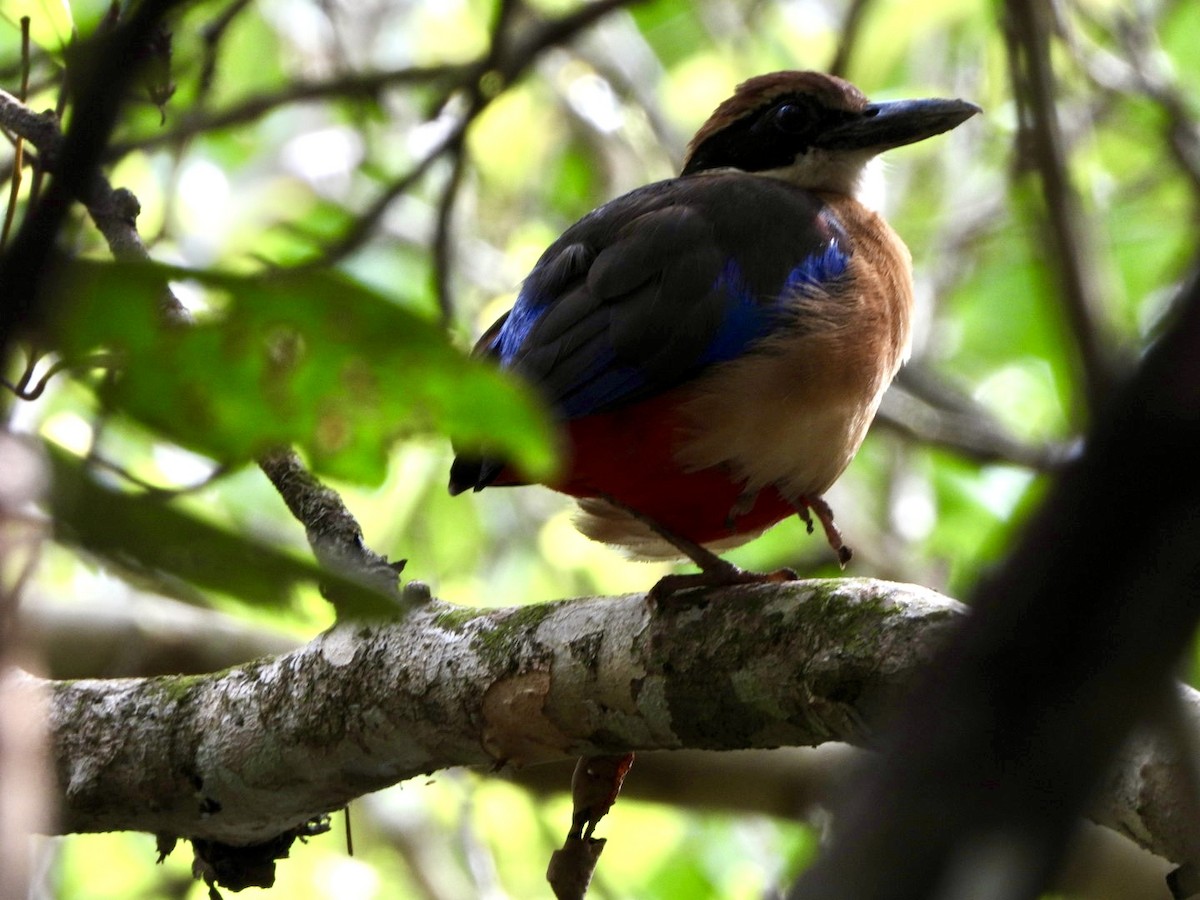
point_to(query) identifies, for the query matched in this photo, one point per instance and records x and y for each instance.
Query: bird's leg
(714, 571)
(805, 516)
(824, 515)
(705, 559)
(744, 504)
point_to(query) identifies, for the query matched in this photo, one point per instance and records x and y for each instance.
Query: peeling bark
(246, 754)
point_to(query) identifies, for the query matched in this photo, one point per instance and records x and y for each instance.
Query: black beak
(881, 126)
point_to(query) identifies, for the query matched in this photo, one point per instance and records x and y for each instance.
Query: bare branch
(40, 129)
(246, 754)
(1028, 27)
(333, 532)
(364, 85)
(1143, 72)
(212, 33)
(100, 89)
(507, 59)
(1071, 646)
(114, 211)
(141, 634)
(928, 410)
(443, 249)
(850, 30)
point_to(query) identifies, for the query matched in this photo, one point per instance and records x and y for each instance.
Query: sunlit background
(587, 123)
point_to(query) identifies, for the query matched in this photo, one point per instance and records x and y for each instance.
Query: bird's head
(815, 130)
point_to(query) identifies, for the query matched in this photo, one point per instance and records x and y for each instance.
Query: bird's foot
(728, 574)
(824, 515)
(745, 503)
(805, 515)
(714, 571)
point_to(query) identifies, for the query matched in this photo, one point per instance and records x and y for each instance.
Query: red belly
(629, 455)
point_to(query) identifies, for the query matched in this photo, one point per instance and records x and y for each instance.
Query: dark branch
(506, 61)
(849, 32)
(1071, 645)
(1028, 28)
(104, 71)
(366, 86)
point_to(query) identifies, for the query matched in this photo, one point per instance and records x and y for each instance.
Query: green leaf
(673, 30)
(50, 23)
(308, 359)
(146, 535)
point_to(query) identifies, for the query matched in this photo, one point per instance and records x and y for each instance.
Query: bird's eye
(791, 117)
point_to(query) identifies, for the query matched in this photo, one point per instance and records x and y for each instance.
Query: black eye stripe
(791, 117)
(766, 138)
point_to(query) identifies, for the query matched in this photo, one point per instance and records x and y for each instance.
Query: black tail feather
(473, 473)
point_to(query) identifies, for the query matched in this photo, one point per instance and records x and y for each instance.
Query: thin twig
(22, 390)
(365, 86)
(18, 163)
(970, 432)
(504, 64)
(364, 224)
(1071, 237)
(212, 33)
(157, 490)
(850, 30)
(443, 250)
(443, 237)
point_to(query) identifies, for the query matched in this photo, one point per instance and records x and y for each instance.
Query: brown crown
(763, 90)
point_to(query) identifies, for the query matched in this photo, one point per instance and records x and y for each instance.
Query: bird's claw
(805, 516)
(824, 515)
(743, 506)
(725, 576)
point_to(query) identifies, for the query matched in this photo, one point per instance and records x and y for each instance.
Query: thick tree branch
(246, 754)
(243, 755)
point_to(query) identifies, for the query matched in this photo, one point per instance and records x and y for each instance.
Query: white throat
(857, 175)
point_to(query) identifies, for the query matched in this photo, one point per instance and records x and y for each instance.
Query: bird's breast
(793, 412)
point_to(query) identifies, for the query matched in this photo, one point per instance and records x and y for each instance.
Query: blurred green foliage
(279, 186)
(310, 359)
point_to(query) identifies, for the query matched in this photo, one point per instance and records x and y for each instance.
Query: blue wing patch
(603, 382)
(516, 328)
(745, 321)
(817, 269)
(748, 319)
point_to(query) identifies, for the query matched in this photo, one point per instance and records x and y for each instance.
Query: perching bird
(717, 344)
